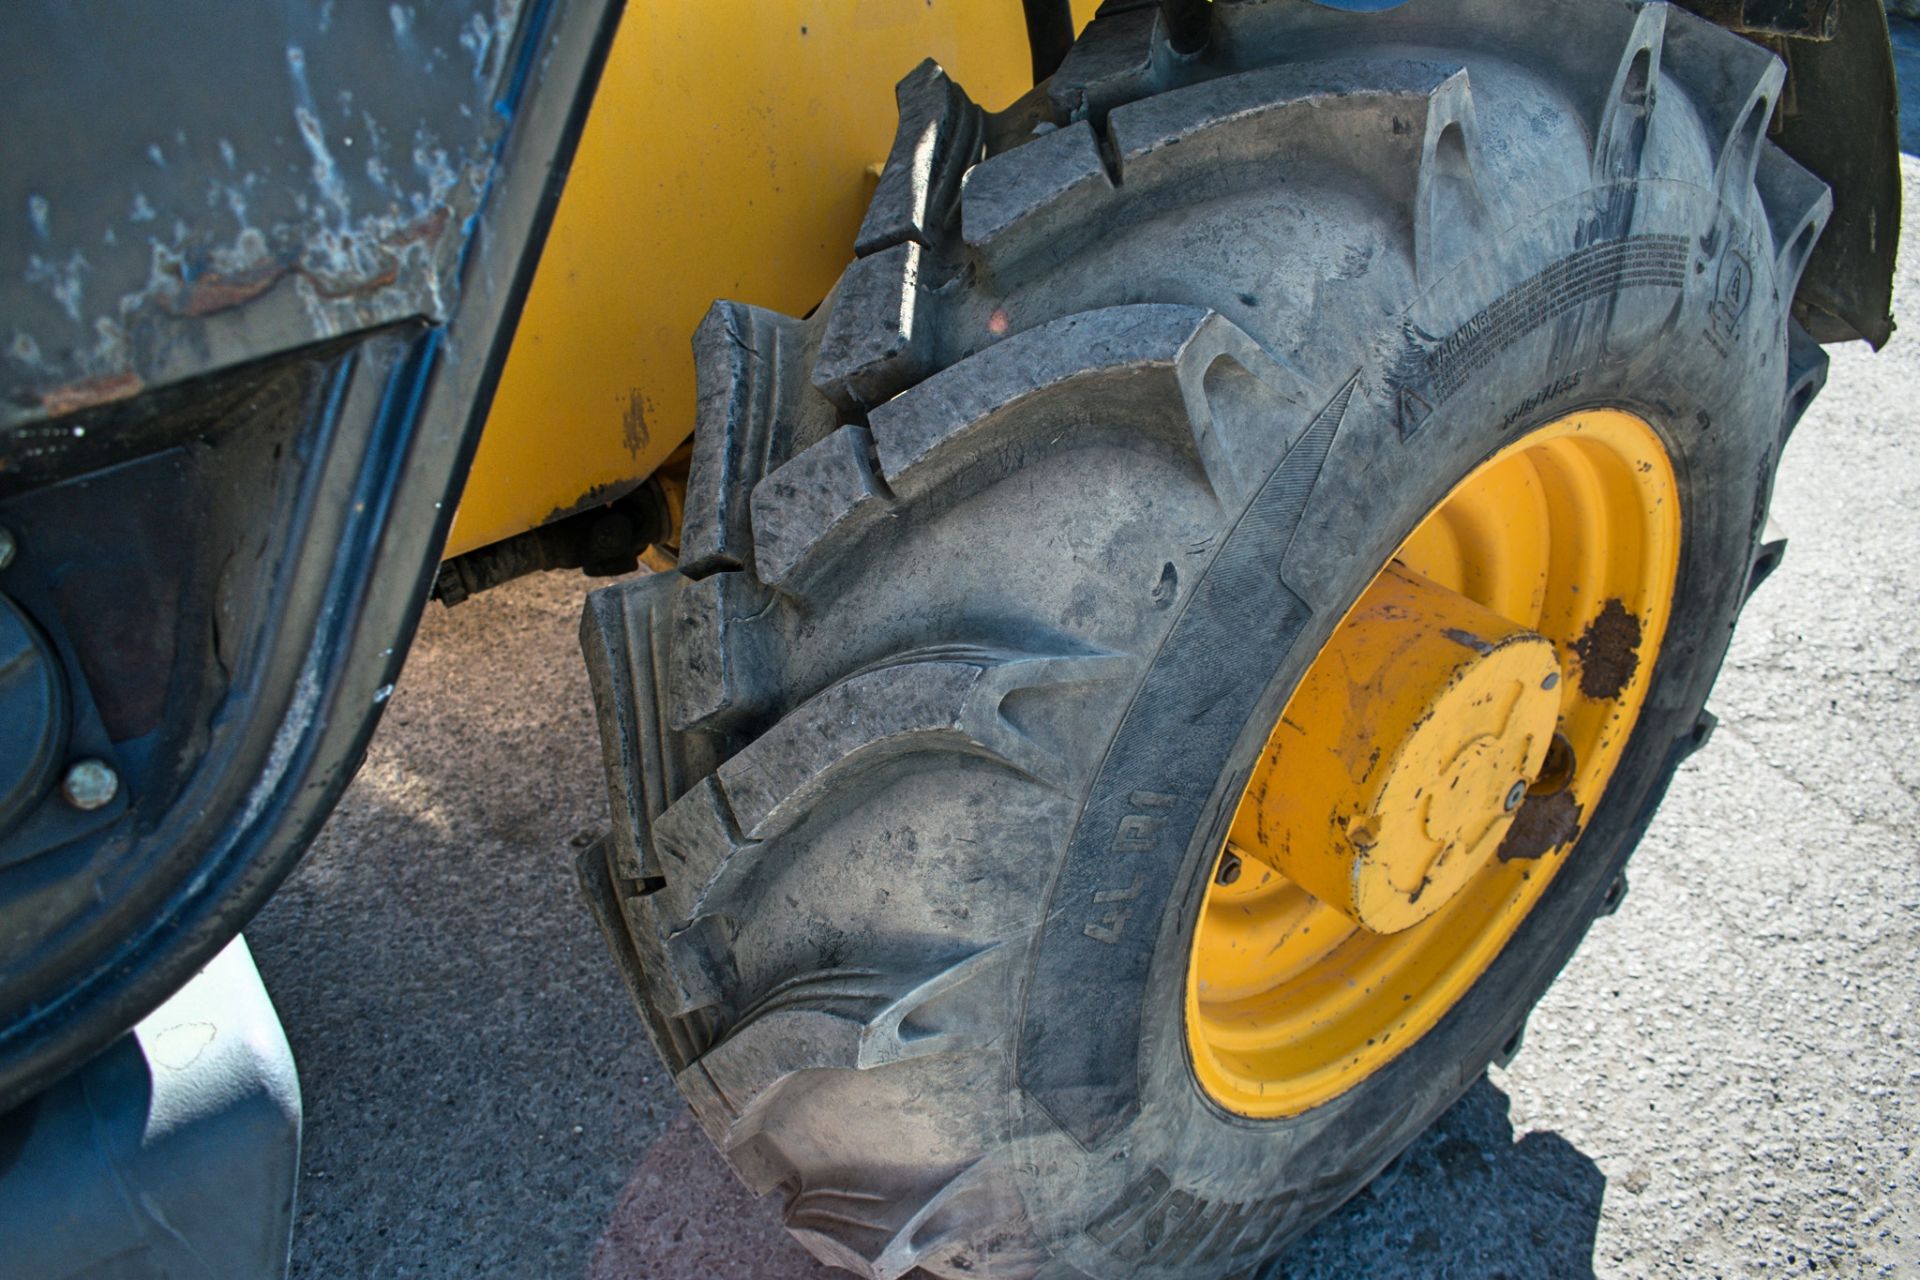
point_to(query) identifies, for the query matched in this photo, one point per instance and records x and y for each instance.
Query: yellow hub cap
(1408, 747)
(1434, 765)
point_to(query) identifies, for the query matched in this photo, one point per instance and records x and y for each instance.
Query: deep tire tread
(718, 768)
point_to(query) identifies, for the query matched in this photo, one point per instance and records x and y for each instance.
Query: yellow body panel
(728, 154)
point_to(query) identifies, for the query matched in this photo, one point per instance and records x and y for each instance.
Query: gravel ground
(1725, 1082)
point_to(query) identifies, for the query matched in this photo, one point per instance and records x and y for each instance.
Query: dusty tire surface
(995, 572)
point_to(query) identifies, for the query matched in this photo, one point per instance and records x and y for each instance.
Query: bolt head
(1516, 795)
(6, 547)
(1229, 869)
(89, 784)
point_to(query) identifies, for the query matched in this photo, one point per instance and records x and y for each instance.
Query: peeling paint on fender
(210, 186)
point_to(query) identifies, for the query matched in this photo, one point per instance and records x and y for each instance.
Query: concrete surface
(1725, 1082)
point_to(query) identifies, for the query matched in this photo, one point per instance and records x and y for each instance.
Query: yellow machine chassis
(730, 152)
(1291, 1000)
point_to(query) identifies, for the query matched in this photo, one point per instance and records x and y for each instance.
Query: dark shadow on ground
(1465, 1201)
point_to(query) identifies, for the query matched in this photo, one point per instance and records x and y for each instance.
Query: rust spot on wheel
(1609, 651)
(1543, 824)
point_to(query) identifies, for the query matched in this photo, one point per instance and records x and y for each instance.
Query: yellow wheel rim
(1435, 765)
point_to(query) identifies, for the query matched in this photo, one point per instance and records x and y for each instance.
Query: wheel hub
(1405, 752)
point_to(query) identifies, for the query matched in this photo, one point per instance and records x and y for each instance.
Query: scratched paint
(202, 188)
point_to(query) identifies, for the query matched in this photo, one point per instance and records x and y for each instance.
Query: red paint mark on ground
(684, 1215)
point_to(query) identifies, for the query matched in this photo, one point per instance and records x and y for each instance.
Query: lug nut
(1229, 869)
(90, 784)
(1515, 794)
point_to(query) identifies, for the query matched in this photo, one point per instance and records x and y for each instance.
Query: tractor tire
(997, 571)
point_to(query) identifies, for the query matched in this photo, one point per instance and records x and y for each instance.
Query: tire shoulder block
(1147, 135)
(697, 840)
(714, 675)
(747, 372)
(938, 137)
(1806, 375)
(1798, 205)
(1621, 135)
(972, 1210)
(877, 341)
(700, 965)
(925, 435)
(1450, 216)
(1734, 84)
(856, 1020)
(825, 489)
(1018, 197)
(1113, 61)
(617, 639)
(942, 698)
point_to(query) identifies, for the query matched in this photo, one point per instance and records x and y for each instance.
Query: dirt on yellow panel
(727, 156)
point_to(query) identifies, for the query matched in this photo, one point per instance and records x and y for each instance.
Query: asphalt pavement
(1725, 1081)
